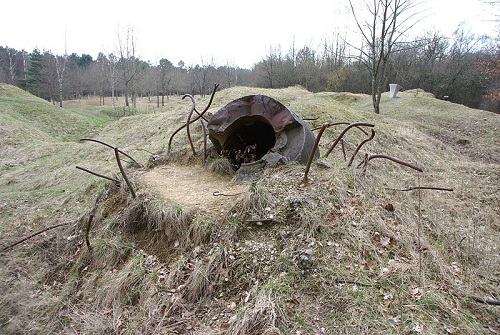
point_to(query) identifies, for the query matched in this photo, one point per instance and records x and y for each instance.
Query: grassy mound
(353, 251)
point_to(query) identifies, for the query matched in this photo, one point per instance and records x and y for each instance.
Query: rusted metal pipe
(117, 155)
(112, 147)
(91, 218)
(421, 188)
(343, 149)
(205, 135)
(98, 175)
(339, 123)
(219, 194)
(200, 115)
(356, 124)
(359, 147)
(311, 118)
(396, 160)
(216, 86)
(35, 234)
(189, 120)
(313, 151)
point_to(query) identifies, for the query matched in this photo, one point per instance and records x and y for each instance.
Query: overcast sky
(199, 31)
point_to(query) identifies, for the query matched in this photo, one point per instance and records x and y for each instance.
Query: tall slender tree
(60, 63)
(386, 23)
(129, 63)
(165, 75)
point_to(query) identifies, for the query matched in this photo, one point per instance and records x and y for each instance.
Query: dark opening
(249, 138)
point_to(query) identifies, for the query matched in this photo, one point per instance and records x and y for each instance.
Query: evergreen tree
(34, 78)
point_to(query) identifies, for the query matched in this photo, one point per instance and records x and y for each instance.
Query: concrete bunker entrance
(249, 138)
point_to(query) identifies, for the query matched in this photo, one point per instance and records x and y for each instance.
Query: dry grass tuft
(205, 276)
(125, 288)
(264, 316)
(167, 223)
(255, 200)
(200, 231)
(221, 166)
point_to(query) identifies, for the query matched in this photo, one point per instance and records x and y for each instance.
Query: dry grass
(220, 165)
(379, 261)
(264, 316)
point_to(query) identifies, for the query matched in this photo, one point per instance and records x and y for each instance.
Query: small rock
(305, 259)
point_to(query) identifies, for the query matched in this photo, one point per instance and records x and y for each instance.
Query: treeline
(463, 68)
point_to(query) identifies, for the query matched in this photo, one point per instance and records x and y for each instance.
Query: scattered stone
(305, 259)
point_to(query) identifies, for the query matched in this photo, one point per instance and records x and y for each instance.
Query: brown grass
(384, 262)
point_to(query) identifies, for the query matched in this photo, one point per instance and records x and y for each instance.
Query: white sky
(199, 31)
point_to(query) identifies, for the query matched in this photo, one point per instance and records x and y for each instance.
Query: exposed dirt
(193, 187)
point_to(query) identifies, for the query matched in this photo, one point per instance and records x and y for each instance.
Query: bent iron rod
(112, 147)
(196, 118)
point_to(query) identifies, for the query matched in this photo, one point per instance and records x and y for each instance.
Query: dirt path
(192, 187)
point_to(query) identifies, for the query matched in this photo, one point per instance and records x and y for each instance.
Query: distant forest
(463, 68)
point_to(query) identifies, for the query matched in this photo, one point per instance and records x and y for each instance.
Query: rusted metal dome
(257, 128)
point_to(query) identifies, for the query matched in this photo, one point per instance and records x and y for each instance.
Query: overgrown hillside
(355, 250)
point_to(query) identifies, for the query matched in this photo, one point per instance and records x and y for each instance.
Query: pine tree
(34, 78)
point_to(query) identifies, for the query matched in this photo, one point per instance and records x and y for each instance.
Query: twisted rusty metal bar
(359, 147)
(343, 149)
(98, 175)
(421, 188)
(216, 86)
(205, 134)
(310, 118)
(396, 160)
(35, 234)
(313, 151)
(117, 155)
(200, 115)
(339, 123)
(193, 108)
(485, 301)
(98, 200)
(112, 147)
(219, 194)
(357, 125)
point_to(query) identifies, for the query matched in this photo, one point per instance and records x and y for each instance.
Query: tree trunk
(113, 93)
(375, 99)
(126, 95)
(60, 94)
(11, 65)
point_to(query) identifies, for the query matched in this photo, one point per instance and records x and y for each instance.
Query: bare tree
(165, 74)
(307, 67)
(202, 77)
(100, 69)
(129, 63)
(60, 62)
(387, 23)
(112, 76)
(11, 53)
(269, 67)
